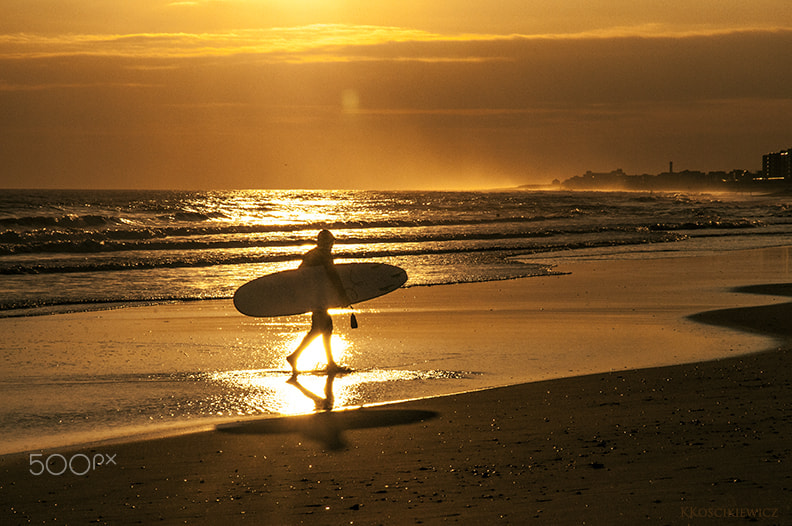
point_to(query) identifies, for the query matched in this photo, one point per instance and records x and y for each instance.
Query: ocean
(77, 250)
(70, 251)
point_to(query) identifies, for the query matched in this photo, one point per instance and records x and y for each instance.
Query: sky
(407, 94)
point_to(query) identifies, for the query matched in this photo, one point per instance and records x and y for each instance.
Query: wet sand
(699, 443)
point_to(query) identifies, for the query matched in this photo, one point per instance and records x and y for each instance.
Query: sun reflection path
(314, 359)
(268, 391)
(259, 391)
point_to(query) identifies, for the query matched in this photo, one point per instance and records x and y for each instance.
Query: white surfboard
(309, 288)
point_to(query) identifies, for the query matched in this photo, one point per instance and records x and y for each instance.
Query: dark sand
(703, 443)
(671, 444)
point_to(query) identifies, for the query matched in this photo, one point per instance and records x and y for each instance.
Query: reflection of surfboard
(309, 288)
(341, 370)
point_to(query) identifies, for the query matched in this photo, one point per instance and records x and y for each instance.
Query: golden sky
(407, 94)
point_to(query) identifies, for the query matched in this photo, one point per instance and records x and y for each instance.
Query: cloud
(313, 43)
(296, 106)
(278, 42)
(400, 70)
(6, 86)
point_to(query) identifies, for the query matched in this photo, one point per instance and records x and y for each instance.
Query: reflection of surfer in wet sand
(325, 427)
(322, 404)
(321, 322)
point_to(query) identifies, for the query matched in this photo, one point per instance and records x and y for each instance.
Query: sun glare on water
(260, 392)
(266, 390)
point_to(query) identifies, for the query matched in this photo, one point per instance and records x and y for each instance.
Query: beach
(662, 397)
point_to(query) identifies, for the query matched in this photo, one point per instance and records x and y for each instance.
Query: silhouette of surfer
(321, 322)
(322, 404)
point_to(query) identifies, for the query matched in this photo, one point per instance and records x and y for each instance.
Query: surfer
(321, 322)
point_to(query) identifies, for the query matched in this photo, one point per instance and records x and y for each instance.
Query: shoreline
(611, 446)
(205, 358)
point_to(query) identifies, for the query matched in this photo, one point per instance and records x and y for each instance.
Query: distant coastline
(687, 180)
(775, 176)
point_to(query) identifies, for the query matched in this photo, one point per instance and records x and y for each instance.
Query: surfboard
(309, 288)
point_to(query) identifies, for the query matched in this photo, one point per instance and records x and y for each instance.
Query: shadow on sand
(773, 320)
(327, 426)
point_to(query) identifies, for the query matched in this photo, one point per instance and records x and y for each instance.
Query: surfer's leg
(319, 320)
(323, 323)
(331, 365)
(292, 358)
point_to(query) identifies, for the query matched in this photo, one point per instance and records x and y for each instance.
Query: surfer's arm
(335, 279)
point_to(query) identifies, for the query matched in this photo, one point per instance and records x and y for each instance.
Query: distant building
(777, 165)
(776, 174)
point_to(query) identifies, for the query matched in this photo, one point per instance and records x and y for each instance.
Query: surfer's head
(325, 239)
